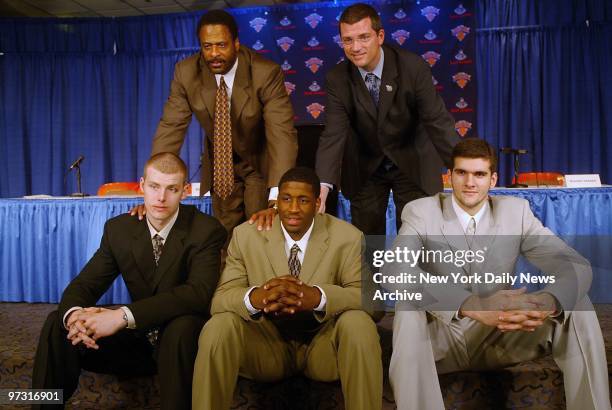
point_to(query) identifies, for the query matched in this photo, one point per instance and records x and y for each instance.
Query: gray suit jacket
(508, 230)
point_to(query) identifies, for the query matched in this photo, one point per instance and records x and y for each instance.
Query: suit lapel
(142, 250)
(317, 246)
(172, 247)
(486, 235)
(451, 228)
(241, 83)
(388, 85)
(209, 88)
(275, 249)
(363, 95)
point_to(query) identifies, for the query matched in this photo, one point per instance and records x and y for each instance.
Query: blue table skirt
(45, 242)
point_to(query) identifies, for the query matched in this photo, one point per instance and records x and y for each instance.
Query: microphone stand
(78, 194)
(515, 154)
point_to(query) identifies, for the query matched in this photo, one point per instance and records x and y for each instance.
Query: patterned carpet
(533, 385)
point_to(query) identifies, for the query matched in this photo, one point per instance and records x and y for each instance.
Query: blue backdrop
(97, 86)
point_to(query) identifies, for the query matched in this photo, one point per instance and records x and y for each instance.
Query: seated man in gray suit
(289, 301)
(487, 324)
(170, 265)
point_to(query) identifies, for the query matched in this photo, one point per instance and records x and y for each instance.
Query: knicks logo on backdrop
(313, 19)
(462, 79)
(431, 57)
(314, 63)
(460, 32)
(284, 24)
(462, 106)
(430, 13)
(287, 67)
(314, 89)
(315, 109)
(290, 87)
(463, 127)
(285, 43)
(400, 36)
(257, 23)
(460, 12)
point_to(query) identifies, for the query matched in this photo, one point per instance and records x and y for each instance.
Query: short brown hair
(167, 163)
(475, 148)
(357, 12)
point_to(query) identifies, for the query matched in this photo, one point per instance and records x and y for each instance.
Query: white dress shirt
(302, 243)
(464, 217)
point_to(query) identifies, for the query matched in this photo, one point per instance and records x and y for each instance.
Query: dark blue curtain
(96, 86)
(545, 83)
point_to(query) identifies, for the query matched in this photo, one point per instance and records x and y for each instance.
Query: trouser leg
(177, 353)
(229, 346)
(349, 349)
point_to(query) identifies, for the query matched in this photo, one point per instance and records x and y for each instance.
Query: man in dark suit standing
(240, 100)
(386, 127)
(170, 264)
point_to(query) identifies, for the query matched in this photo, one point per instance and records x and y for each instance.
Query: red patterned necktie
(223, 167)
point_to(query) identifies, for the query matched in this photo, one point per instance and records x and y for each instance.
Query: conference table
(44, 242)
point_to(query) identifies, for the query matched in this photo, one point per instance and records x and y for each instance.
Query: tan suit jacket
(261, 115)
(333, 261)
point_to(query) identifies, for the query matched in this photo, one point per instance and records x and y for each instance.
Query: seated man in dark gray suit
(477, 320)
(170, 264)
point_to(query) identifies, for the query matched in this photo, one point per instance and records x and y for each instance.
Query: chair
(119, 188)
(541, 179)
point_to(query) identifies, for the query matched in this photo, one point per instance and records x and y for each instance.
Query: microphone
(77, 162)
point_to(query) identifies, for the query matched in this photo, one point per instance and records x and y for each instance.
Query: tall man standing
(386, 127)
(240, 100)
(170, 264)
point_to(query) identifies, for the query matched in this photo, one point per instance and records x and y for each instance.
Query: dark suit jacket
(412, 126)
(183, 283)
(261, 114)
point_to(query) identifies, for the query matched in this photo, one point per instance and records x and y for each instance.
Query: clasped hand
(510, 310)
(285, 295)
(90, 324)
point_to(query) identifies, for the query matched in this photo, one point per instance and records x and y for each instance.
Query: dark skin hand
(285, 296)
(264, 217)
(138, 210)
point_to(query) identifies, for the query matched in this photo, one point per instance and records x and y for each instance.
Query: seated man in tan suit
(482, 325)
(289, 301)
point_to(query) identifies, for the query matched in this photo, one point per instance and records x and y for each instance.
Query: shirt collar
(378, 70)
(228, 77)
(165, 230)
(302, 243)
(464, 217)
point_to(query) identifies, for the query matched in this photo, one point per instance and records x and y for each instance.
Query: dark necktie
(373, 84)
(158, 246)
(223, 167)
(294, 261)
